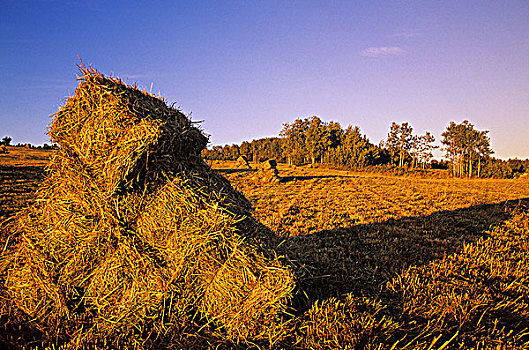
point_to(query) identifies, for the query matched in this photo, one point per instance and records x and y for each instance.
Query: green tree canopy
(6, 141)
(400, 140)
(464, 146)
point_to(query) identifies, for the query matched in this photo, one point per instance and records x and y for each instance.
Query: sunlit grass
(387, 262)
(327, 199)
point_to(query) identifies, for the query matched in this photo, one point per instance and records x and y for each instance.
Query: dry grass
(21, 170)
(351, 233)
(346, 269)
(25, 157)
(311, 200)
(17, 187)
(424, 276)
(478, 297)
(121, 254)
(438, 278)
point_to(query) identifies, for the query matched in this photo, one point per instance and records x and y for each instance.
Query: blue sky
(246, 67)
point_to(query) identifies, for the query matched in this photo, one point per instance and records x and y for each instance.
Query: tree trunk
(479, 166)
(469, 166)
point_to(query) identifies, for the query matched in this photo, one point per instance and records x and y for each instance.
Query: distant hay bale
(133, 241)
(268, 172)
(270, 164)
(242, 162)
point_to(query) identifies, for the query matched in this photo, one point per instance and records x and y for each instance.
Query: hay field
(21, 170)
(312, 199)
(377, 250)
(354, 231)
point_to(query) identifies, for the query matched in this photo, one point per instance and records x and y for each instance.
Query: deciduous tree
(6, 141)
(464, 145)
(400, 140)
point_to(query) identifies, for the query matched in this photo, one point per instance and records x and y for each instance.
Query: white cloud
(382, 51)
(406, 35)
(136, 76)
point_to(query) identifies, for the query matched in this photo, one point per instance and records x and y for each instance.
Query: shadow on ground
(301, 178)
(232, 171)
(285, 178)
(17, 186)
(361, 259)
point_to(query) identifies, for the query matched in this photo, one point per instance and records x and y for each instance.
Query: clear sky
(245, 67)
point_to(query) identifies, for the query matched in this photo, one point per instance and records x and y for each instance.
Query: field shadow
(232, 171)
(284, 179)
(17, 171)
(362, 258)
(311, 177)
(17, 186)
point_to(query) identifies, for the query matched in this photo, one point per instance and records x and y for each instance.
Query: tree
(334, 138)
(295, 136)
(464, 145)
(354, 151)
(246, 149)
(6, 141)
(483, 148)
(316, 141)
(423, 147)
(400, 140)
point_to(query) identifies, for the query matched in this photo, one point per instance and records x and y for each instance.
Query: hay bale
(271, 175)
(268, 172)
(270, 164)
(133, 240)
(242, 162)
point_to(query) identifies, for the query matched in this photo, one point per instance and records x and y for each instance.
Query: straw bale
(270, 164)
(270, 175)
(242, 162)
(120, 134)
(133, 238)
(241, 288)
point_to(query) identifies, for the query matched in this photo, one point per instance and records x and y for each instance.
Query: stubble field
(401, 259)
(355, 231)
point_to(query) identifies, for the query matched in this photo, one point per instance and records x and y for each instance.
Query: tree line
(6, 141)
(310, 140)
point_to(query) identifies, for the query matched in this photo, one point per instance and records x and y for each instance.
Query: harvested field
(310, 200)
(357, 274)
(354, 231)
(21, 170)
(355, 260)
